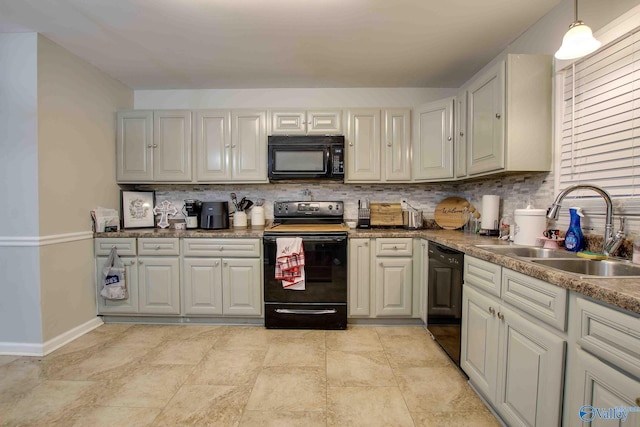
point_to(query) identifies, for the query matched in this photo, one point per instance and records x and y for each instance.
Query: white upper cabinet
(249, 146)
(397, 151)
(486, 121)
(363, 145)
(508, 117)
(297, 122)
(378, 151)
(213, 145)
(153, 146)
(460, 135)
(433, 141)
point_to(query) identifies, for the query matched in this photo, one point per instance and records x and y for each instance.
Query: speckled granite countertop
(620, 292)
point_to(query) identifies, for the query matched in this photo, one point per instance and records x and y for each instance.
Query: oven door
(325, 271)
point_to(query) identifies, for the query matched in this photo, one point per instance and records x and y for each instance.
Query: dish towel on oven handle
(290, 263)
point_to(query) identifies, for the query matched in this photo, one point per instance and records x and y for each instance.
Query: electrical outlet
(403, 204)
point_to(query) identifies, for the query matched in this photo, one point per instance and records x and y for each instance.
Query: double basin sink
(568, 262)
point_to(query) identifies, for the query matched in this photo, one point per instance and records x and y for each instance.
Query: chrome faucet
(611, 243)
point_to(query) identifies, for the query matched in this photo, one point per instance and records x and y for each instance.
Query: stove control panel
(306, 209)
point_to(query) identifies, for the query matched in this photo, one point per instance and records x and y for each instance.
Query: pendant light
(578, 41)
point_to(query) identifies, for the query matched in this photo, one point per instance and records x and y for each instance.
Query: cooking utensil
(234, 199)
(241, 203)
(449, 213)
(247, 204)
(260, 202)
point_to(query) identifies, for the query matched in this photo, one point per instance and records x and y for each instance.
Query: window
(598, 125)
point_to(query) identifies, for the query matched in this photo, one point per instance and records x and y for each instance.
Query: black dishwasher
(444, 298)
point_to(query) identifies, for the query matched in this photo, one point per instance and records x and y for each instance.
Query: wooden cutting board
(386, 214)
(449, 213)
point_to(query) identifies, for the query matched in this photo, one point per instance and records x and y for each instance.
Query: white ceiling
(197, 44)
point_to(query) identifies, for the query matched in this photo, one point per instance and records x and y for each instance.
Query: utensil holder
(239, 219)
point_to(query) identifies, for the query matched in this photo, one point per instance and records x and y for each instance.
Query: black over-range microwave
(306, 157)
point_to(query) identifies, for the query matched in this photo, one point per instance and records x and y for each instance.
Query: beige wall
(76, 139)
(76, 172)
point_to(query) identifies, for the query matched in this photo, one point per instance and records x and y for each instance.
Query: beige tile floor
(139, 375)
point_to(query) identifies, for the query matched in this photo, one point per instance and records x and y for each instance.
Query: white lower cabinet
(152, 277)
(381, 280)
(222, 277)
(603, 365)
(393, 286)
(514, 361)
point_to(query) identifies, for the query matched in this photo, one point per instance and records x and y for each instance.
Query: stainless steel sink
(527, 251)
(592, 268)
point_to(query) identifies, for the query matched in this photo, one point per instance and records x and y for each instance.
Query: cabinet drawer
(540, 299)
(483, 275)
(247, 248)
(158, 246)
(609, 334)
(125, 246)
(394, 247)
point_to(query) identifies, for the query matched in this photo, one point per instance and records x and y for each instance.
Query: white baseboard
(28, 349)
(53, 239)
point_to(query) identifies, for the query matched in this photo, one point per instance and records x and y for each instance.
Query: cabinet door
(359, 277)
(486, 121)
(530, 373)
(460, 135)
(288, 123)
(159, 286)
(134, 146)
(479, 340)
(125, 306)
(328, 122)
(595, 385)
(394, 285)
(172, 145)
(433, 140)
(241, 287)
(202, 286)
(363, 145)
(213, 145)
(249, 145)
(397, 145)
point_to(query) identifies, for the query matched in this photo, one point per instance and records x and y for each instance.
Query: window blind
(600, 125)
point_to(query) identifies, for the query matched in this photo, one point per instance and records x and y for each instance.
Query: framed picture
(136, 208)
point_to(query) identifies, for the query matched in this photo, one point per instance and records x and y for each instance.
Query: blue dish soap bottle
(574, 239)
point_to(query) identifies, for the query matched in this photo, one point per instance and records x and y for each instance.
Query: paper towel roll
(490, 212)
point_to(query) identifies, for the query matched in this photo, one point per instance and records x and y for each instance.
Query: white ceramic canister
(257, 217)
(529, 225)
(239, 219)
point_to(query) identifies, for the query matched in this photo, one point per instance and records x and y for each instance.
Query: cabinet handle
(215, 264)
(366, 243)
(149, 146)
(381, 264)
(498, 115)
(225, 264)
(389, 144)
(449, 139)
(233, 146)
(395, 248)
(155, 145)
(157, 247)
(221, 248)
(139, 261)
(500, 316)
(227, 145)
(351, 144)
(132, 262)
(492, 310)
(461, 133)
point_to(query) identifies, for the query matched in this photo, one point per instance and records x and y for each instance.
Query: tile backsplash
(514, 191)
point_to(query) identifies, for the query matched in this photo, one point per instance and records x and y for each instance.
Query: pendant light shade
(578, 41)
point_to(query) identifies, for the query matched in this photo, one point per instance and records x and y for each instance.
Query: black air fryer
(214, 215)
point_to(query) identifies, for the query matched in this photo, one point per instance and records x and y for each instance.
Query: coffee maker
(191, 211)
